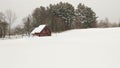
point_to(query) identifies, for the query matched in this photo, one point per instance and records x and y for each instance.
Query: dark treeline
(3, 26)
(64, 16)
(58, 17)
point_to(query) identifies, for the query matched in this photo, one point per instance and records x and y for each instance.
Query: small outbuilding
(41, 30)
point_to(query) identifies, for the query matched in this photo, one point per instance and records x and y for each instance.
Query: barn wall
(45, 32)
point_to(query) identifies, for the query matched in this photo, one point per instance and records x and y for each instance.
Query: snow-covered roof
(38, 29)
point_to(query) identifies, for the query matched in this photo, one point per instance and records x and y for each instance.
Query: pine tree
(64, 11)
(27, 25)
(86, 16)
(58, 16)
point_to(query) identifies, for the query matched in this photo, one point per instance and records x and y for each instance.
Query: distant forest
(58, 17)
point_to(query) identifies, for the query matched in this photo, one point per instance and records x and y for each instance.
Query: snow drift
(84, 48)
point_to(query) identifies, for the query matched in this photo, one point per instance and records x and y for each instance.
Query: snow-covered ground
(81, 48)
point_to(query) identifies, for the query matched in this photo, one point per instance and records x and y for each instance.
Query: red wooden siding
(45, 32)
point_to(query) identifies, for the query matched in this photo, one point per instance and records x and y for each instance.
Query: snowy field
(83, 48)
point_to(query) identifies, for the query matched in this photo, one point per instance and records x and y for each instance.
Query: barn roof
(38, 29)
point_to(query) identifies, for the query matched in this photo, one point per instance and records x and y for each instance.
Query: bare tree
(3, 25)
(119, 23)
(19, 30)
(10, 17)
(2, 17)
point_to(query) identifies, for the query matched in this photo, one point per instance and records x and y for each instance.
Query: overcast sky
(102, 8)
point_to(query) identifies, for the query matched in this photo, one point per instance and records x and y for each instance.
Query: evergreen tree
(86, 16)
(40, 16)
(66, 12)
(28, 25)
(62, 16)
(58, 16)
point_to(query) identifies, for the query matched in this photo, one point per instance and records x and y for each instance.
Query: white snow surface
(80, 48)
(38, 29)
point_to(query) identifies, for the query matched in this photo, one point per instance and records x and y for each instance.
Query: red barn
(41, 30)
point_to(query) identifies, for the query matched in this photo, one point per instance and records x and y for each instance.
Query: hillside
(80, 48)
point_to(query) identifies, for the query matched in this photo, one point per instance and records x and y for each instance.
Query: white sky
(103, 8)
